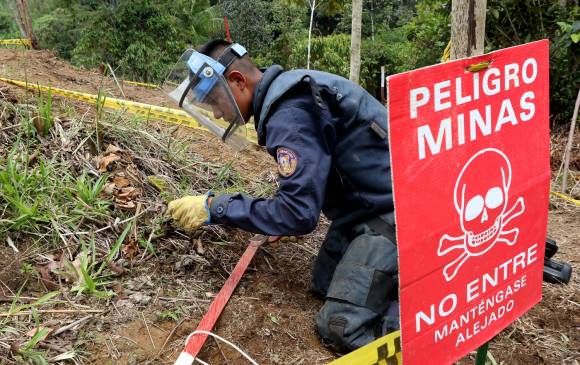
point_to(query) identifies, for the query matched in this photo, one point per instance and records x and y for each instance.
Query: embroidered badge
(287, 161)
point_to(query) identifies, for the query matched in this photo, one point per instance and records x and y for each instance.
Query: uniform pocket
(366, 275)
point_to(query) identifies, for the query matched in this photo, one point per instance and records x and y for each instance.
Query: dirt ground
(161, 298)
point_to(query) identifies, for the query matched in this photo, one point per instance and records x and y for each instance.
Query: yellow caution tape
(175, 116)
(384, 351)
(19, 42)
(446, 53)
(476, 67)
(565, 197)
(144, 84)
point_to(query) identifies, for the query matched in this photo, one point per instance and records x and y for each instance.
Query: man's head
(242, 77)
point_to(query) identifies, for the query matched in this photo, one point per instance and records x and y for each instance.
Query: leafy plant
(512, 22)
(168, 314)
(89, 192)
(22, 188)
(45, 299)
(329, 54)
(144, 37)
(89, 280)
(28, 351)
(26, 268)
(91, 273)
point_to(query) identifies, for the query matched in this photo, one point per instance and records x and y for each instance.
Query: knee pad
(332, 330)
(367, 274)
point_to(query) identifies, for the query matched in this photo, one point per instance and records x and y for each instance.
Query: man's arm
(294, 137)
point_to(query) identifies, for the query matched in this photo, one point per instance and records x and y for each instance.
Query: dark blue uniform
(329, 137)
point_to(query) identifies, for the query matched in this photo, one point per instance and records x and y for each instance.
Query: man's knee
(363, 288)
(345, 327)
(341, 326)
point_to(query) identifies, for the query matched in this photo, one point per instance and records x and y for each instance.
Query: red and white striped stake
(227, 25)
(195, 342)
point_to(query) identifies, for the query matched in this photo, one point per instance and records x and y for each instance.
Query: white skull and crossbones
(481, 198)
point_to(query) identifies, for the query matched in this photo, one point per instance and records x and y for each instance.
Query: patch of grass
(29, 352)
(89, 192)
(44, 300)
(91, 273)
(40, 197)
(26, 268)
(174, 315)
(22, 188)
(89, 280)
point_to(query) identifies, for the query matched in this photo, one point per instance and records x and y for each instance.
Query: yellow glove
(189, 212)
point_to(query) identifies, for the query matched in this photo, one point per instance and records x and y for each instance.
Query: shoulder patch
(287, 161)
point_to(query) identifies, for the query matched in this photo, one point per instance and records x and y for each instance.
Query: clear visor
(205, 95)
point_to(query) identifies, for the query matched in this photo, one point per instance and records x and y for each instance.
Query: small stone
(140, 298)
(184, 262)
(125, 303)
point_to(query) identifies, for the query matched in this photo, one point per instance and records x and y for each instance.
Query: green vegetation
(141, 39)
(55, 191)
(512, 22)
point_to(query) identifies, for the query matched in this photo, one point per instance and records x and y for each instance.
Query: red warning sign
(470, 163)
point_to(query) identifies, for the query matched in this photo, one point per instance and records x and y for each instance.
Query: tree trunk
(355, 40)
(467, 28)
(23, 20)
(312, 4)
(569, 145)
(372, 21)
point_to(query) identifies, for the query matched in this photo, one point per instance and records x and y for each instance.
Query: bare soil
(160, 299)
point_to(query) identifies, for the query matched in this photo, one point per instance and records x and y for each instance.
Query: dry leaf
(109, 188)
(114, 267)
(112, 149)
(119, 290)
(130, 205)
(120, 182)
(104, 162)
(199, 247)
(130, 248)
(128, 193)
(46, 278)
(33, 331)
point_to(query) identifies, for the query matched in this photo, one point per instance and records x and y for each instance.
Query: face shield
(196, 83)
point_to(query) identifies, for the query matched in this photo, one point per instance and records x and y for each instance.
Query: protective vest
(354, 129)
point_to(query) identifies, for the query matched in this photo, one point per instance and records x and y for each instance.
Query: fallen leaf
(120, 182)
(104, 162)
(46, 278)
(130, 205)
(119, 290)
(109, 188)
(64, 356)
(114, 267)
(130, 248)
(199, 247)
(112, 149)
(33, 332)
(274, 319)
(129, 193)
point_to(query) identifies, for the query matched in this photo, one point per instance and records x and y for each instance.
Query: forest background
(141, 39)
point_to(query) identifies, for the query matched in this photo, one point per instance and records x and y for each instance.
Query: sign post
(470, 158)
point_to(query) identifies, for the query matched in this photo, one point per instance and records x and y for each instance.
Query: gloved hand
(190, 212)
